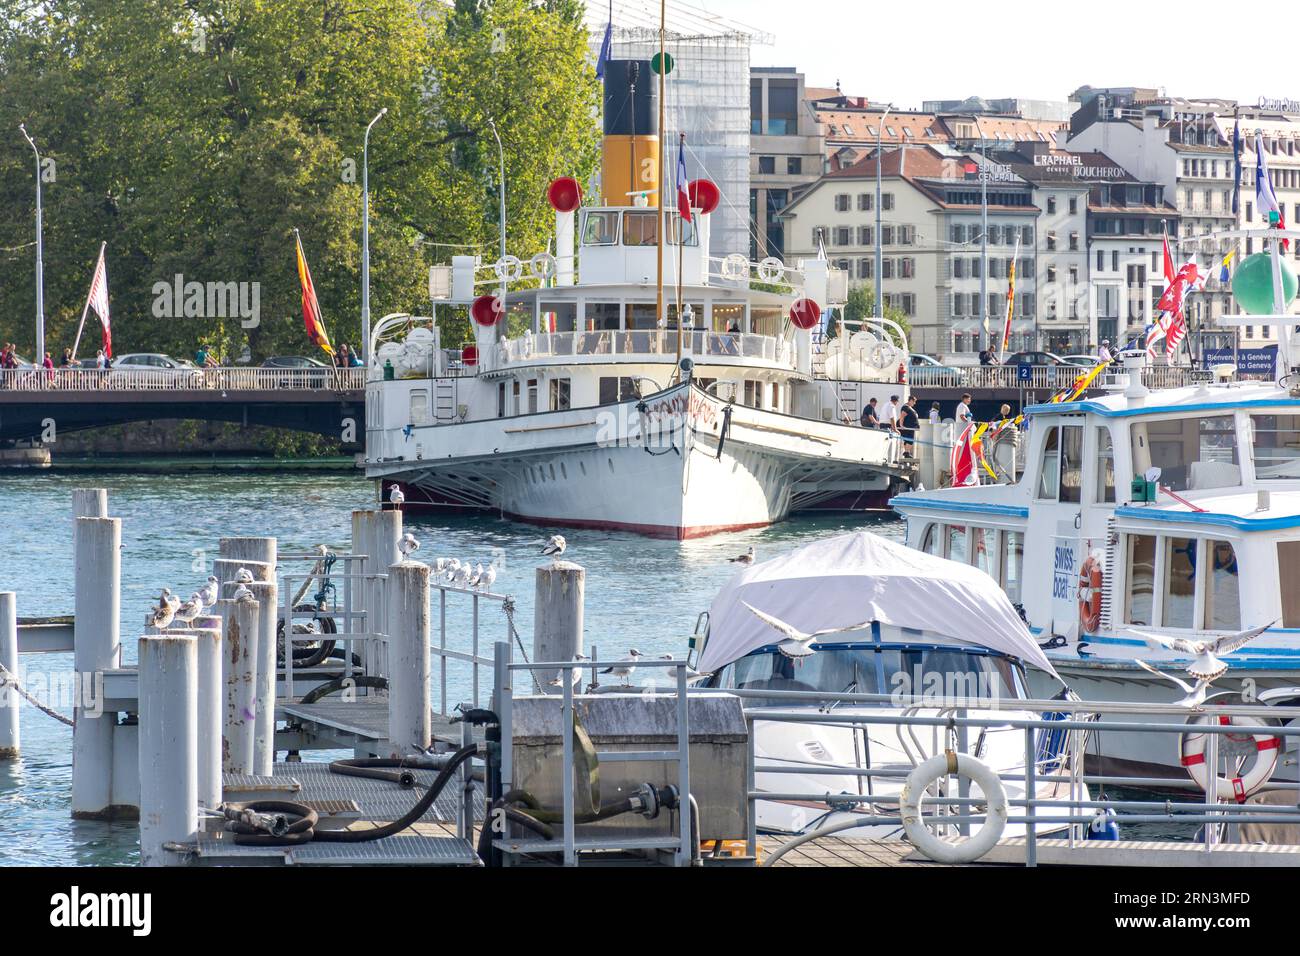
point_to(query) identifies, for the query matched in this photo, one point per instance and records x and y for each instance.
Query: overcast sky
(906, 51)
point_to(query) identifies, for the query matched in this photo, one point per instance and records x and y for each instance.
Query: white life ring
(735, 266)
(995, 819)
(883, 355)
(542, 265)
(771, 269)
(508, 269)
(1192, 749)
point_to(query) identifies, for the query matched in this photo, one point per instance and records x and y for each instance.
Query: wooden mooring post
(557, 616)
(410, 727)
(169, 795)
(210, 698)
(10, 742)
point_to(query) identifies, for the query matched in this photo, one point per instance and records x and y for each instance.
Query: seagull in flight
(797, 644)
(555, 546)
(395, 496)
(746, 558)
(626, 667)
(408, 545)
(1195, 695)
(1205, 653)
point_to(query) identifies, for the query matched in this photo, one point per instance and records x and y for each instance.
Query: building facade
(786, 153)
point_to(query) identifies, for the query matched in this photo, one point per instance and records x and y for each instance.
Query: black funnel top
(631, 98)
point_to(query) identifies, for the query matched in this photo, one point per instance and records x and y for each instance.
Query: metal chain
(508, 605)
(7, 678)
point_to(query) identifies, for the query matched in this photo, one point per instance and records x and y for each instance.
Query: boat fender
(995, 818)
(1090, 580)
(1104, 826)
(1192, 756)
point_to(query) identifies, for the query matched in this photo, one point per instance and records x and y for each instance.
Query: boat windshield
(938, 675)
(1191, 452)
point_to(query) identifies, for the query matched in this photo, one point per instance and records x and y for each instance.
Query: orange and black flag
(311, 316)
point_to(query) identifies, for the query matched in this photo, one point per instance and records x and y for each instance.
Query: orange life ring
(1090, 594)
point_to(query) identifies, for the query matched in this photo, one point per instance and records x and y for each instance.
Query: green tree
(194, 136)
(861, 304)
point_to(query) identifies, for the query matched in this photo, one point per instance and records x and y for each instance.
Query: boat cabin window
(1288, 572)
(1276, 446)
(1013, 565)
(618, 389)
(930, 539)
(1179, 582)
(956, 542)
(1198, 577)
(1191, 453)
(1140, 604)
(984, 550)
(1060, 473)
(766, 321)
(600, 228)
(639, 228)
(677, 226)
(602, 316)
(560, 394)
(559, 317)
(943, 673)
(728, 318)
(1105, 490)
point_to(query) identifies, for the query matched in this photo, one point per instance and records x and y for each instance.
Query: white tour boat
(926, 631)
(1172, 513)
(586, 400)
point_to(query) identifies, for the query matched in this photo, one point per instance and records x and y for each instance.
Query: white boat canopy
(856, 578)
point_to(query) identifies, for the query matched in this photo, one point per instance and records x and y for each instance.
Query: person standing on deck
(1103, 353)
(908, 422)
(962, 417)
(869, 417)
(889, 417)
(935, 418)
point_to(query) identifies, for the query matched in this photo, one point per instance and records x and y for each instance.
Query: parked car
(926, 370)
(300, 371)
(1034, 358)
(1083, 361)
(142, 369)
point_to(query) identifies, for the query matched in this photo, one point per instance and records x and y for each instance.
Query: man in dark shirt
(908, 422)
(869, 417)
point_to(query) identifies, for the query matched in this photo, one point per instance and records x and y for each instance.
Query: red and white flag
(683, 191)
(98, 300)
(961, 463)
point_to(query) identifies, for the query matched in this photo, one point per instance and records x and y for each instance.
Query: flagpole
(86, 308)
(661, 314)
(681, 229)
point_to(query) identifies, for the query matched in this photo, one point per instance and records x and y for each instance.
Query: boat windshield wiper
(852, 688)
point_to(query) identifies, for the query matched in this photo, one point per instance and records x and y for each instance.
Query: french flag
(683, 193)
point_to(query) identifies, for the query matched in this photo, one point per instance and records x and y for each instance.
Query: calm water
(640, 593)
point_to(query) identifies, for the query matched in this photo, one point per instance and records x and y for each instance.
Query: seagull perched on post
(460, 577)
(208, 593)
(408, 545)
(626, 667)
(746, 558)
(187, 612)
(1195, 695)
(395, 496)
(242, 594)
(1205, 653)
(161, 616)
(243, 576)
(577, 673)
(797, 644)
(555, 546)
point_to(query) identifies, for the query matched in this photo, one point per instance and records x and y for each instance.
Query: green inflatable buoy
(1252, 284)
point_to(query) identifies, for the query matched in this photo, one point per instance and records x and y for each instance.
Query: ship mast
(661, 316)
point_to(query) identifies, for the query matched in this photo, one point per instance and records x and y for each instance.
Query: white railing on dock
(1073, 717)
(183, 379)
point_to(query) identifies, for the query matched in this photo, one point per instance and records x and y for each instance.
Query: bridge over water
(325, 401)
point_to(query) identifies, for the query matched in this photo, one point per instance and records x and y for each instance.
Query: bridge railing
(183, 379)
(1041, 377)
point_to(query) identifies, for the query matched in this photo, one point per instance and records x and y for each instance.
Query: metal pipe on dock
(267, 594)
(89, 503)
(557, 615)
(409, 721)
(206, 632)
(168, 746)
(97, 647)
(239, 678)
(10, 742)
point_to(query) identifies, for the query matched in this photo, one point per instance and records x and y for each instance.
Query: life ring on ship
(995, 818)
(883, 355)
(1192, 756)
(1090, 580)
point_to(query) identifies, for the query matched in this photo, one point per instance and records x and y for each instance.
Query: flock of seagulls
(171, 611)
(462, 574)
(1206, 667)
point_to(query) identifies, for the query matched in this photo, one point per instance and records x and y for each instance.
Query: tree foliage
(861, 304)
(194, 136)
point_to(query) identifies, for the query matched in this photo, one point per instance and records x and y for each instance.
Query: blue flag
(603, 58)
(1236, 165)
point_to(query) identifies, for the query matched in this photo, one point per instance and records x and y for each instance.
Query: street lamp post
(365, 238)
(40, 267)
(984, 236)
(501, 188)
(880, 311)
